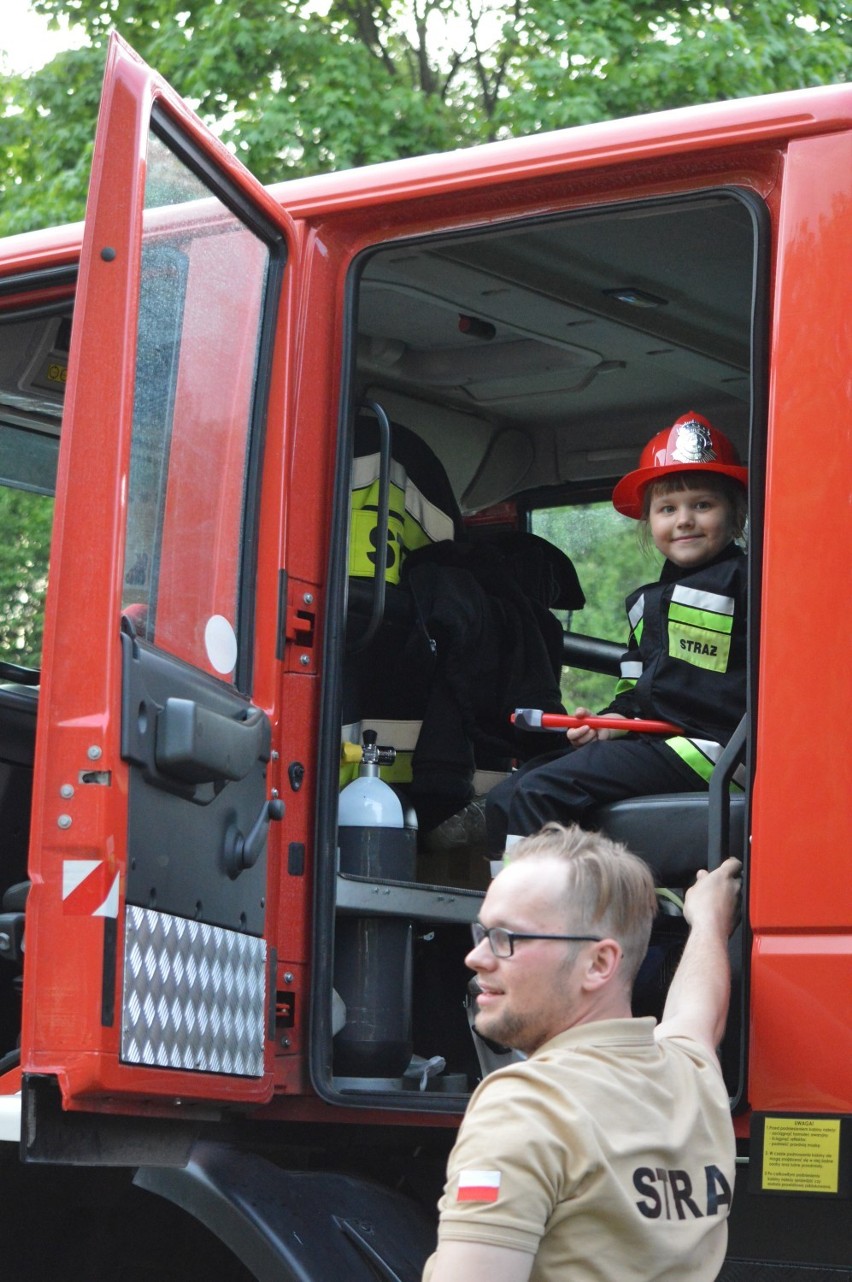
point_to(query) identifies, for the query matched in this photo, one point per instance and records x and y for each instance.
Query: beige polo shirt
(606, 1155)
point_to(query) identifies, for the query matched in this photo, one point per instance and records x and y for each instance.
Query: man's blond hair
(609, 891)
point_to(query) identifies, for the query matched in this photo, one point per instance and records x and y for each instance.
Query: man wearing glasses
(607, 1155)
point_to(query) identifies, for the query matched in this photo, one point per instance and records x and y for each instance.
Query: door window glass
(203, 280)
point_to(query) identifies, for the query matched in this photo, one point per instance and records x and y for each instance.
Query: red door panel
(147, 969)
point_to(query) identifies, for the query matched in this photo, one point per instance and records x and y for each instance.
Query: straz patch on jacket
(699, 627)
(478, 1186)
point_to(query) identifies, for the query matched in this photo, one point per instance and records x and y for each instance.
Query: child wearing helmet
(686, 656)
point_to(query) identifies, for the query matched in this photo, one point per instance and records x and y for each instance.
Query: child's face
(690, 527)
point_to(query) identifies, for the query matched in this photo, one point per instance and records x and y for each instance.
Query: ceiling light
(635, 297)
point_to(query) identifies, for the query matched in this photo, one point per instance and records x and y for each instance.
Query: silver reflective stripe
(636, 612)
(365, 472)
(434, 523)
(631, 670)
(712, 750)
(703, 600)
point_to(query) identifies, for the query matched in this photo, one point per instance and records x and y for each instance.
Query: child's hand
(581, 735)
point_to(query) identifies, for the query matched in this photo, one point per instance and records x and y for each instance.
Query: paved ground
(83, 1225)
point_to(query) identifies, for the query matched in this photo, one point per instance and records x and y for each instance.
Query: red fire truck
(221, 1028)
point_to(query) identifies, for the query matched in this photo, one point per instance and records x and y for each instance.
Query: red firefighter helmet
(691, 443)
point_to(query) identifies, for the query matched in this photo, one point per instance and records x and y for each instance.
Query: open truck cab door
(147, 914)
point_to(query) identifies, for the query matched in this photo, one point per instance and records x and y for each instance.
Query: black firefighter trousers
(568, 786)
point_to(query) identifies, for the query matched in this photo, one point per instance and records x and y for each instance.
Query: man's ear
(603, 962)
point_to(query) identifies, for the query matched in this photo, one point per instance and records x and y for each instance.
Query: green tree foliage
(48, 125)
(25, 522)
(301, 86)
(611, 559)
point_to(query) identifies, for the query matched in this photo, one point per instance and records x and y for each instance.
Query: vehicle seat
(423, 509)
(465, 625)
(670, 831)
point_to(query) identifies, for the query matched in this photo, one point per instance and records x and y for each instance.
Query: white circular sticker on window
(220, 641)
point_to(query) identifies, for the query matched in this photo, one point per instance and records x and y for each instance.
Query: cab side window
(610, 561)
(25, 524)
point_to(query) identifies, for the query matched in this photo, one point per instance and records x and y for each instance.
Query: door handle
(197, 745)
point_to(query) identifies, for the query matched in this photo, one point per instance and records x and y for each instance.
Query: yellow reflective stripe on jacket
(631, 671)
(413, 521)
(699, 628)
(363, 553)
(701, 618)
(701, 756)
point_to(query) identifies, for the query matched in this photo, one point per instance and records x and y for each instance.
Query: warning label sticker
(801, 1154)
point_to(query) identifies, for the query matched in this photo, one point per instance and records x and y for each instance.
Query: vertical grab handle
(718, 820)
(377, 610)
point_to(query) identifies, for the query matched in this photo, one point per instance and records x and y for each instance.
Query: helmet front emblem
(693, 444)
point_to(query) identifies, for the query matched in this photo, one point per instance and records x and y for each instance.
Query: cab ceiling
(554, 354)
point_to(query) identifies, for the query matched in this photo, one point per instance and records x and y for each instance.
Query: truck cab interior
(534, 360)
(509, 375)
(34, 339)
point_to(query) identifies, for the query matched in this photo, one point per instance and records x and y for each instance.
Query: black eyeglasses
(502, 941)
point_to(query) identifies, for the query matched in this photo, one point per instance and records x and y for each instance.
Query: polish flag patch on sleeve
(478, 1186)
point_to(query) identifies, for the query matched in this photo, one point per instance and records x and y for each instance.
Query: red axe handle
(535, 719)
